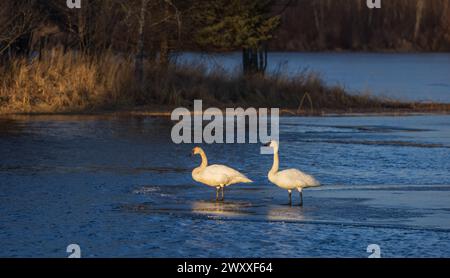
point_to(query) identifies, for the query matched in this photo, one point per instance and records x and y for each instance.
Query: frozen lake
(419, 77)
(119, 187)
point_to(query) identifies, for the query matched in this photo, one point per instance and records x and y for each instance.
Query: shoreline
(62, 83)
(165, 112)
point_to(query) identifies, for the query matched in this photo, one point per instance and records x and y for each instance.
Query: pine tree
(237, 24)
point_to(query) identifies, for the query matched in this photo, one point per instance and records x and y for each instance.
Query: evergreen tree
(237, 24)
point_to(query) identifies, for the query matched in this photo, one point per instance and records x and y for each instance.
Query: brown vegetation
(116, 54)
(76, 82)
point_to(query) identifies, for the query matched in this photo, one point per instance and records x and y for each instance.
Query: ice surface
(118, 187)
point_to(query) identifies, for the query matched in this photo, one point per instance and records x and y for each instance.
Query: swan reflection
(221, 208)
(285, 213)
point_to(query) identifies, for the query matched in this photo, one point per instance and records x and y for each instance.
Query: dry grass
(61, 82)
(72, 82)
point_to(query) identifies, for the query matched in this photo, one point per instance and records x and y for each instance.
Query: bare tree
(171, 16)
(17, 21)
(419, 15)
(139, 63)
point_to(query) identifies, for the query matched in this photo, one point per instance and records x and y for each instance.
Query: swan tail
(246, 180)
(310, 181)
(242, 180)
(314, 183)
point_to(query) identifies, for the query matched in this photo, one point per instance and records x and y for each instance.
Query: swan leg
(217, 193)
(223, 194)
(290, 197)
(301, 198)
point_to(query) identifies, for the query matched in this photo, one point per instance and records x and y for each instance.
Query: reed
(75, 82)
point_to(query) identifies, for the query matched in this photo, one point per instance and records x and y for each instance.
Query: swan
(217, 176)
(289, 179)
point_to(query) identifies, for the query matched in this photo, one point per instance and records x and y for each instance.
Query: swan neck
(204, 160)
(276, 162)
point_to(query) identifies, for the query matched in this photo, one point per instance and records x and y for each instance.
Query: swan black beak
(266, 144)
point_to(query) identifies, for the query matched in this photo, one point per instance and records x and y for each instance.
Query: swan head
(273, 144)
(196, 150)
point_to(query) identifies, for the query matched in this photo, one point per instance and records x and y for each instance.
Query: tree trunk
(82, 24)
(164, 51)
(254, 60)
(318, 11)
(139, 62)
(419, 15)
(164, 44)
(445, 19)
(245, 61)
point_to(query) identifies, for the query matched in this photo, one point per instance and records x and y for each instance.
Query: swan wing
(297, 177)
(211, 177)
(225, 175)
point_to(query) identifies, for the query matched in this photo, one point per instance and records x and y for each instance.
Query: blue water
(418, 77)
(119, 187)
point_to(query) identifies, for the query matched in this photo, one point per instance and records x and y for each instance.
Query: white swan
(289, 179)
(217, 176)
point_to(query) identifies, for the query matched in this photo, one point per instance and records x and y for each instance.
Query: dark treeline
(113, 54)
(143, 27)
(119, 25)
(162, 26)
(400, 25)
